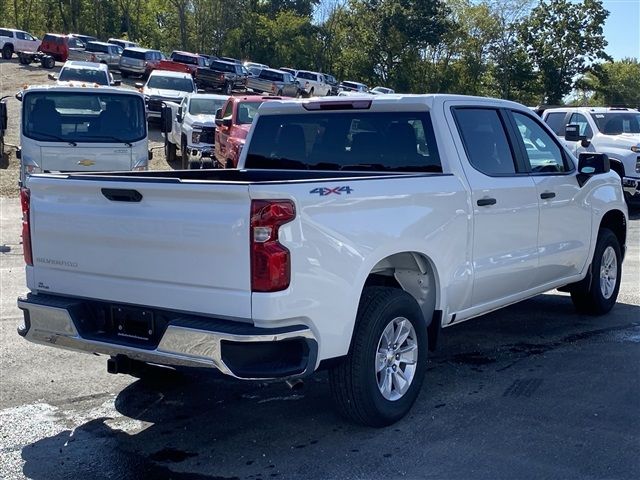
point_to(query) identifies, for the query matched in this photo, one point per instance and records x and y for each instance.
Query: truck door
(505, 206)
(564, 231)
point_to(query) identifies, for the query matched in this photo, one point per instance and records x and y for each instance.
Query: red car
(233, 123)
(62, 47)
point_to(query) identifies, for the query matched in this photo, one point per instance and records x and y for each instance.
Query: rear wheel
(7, 52)
(381, 377)
(599, 295)
(184, 154)
(48, 62)
(227, 88)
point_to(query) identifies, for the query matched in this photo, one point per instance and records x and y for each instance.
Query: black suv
(221, 75)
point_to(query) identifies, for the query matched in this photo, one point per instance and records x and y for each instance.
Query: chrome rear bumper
(188, 341)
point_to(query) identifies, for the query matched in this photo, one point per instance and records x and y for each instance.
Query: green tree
(613, 83)
(563, 38)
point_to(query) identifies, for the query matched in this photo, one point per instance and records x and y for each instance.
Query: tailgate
(182, 246)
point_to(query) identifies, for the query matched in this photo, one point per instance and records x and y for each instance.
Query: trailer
(45, 60)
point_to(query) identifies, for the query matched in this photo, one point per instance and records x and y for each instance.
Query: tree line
(530, 51)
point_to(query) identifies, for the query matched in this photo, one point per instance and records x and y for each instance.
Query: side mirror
(223, 122)
(590, 164)
(218, 113)
(3, 117)
(165, 119)
(139, 85)
(51, 76)
(572, 133)
(19, 96)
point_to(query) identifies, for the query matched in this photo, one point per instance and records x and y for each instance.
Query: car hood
(203, 120)
(622, 140)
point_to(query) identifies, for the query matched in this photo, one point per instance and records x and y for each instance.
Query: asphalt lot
(531, 391)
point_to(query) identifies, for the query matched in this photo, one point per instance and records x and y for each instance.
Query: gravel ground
(13, 77)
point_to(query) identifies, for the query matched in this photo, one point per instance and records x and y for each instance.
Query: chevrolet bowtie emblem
(86, 163)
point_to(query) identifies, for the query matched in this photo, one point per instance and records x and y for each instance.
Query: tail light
(270, 260)
(25, 201)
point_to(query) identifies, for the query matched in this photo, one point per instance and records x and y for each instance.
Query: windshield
(355, 140)
(616, 123)
(83, 117)
(247, 111)
(170, 83)
(205, 106)
(71, 74)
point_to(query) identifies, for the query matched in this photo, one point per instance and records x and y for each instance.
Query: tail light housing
(25, 201)
(270, 260)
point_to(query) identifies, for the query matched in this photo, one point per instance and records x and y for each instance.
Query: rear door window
(354, 140)
(485, 140)
(5, 33)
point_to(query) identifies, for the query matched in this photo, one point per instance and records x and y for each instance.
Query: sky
(622, 28)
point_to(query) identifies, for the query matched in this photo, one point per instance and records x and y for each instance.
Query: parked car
(107, 53)
(612, 131)
(74, 128)
(254, 64)
(221, 75)
(349, 86)
(12, 41)
(382, 91)
(139, 61)
(63, 48)
(292, 71)
(356, 240)
(193, 129)
(274, 82)
(164, 86)
(313, 83)
(230, 59)
(83, 38)
(77, 72)
(233, 122)
(183, 62)
(333, 83)
(123, 43)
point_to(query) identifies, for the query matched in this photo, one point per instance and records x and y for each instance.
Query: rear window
(188, 59)
(138, 55)
(223, 67)
(273, 76)
(354, 140)
(307, 75)
(5, 33)
(96, 47)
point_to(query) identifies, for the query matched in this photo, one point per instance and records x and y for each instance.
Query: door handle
(547, 195)
(485, 202)
(122, 195)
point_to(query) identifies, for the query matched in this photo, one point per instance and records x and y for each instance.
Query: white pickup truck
(82, 128)
(193, 129)
(352, 232)
(612, 131)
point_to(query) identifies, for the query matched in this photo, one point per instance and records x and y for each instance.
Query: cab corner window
(485, 140)
(543, 154)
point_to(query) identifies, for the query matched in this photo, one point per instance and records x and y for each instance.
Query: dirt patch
(13, 77)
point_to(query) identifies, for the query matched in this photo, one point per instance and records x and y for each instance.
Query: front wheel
(379, 380)
(169, 150)
(185, 155)
(227, 88)
(599, 296)
(7, 52)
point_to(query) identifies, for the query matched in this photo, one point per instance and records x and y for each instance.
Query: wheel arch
(616, 221)
(417, 274)
(617, 166)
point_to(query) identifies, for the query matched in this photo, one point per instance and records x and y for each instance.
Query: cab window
(581, 120)
(543, 154)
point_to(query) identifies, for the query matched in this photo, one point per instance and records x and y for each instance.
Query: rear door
(161, 243)
(505, 204)
(565, 218)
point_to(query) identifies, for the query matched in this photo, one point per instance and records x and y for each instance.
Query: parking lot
(531, 391)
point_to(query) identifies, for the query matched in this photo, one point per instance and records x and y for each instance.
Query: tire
(22, 60)
(184, 155)
(311, 92)
(7, 52)
(357, 383)
(599, 295)
(227, 88)
(279, 93)
(48, 62)
(169, 151)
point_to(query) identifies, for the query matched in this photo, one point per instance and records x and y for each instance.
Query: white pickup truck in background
(352, 232)
(74, 128)
(612, 131)
(193, 129)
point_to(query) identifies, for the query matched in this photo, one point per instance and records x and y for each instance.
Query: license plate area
(133, 323)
